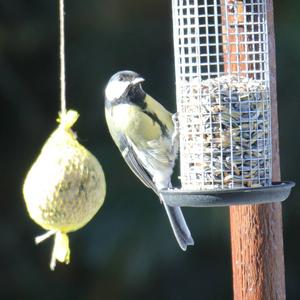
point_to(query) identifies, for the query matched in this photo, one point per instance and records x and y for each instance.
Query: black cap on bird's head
(124, 85)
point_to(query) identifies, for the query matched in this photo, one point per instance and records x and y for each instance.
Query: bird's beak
(137, 80)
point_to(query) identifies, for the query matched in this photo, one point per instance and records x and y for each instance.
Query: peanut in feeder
(224, 104)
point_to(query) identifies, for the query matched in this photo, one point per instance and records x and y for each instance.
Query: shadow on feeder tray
(277, 192)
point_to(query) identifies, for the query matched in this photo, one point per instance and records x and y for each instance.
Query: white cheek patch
(115, 89)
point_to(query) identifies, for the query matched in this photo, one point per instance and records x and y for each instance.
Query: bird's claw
(175, 119)
(176, 132)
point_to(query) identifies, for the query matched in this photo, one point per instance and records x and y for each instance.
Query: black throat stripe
(155, 119)
(137, 96)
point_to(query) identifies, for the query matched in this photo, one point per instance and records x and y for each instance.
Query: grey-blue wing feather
(176, 218)
(133, 162)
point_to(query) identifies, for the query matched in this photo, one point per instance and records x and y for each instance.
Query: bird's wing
(134, 163)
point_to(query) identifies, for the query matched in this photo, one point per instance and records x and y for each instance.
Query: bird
(147, 136)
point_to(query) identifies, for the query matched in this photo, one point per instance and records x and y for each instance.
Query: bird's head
(124, 85)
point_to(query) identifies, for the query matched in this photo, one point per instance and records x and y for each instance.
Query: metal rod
(256, 231)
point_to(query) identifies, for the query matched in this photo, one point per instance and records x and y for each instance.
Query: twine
(62, 59)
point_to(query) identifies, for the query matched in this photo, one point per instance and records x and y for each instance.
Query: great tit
(145, 134)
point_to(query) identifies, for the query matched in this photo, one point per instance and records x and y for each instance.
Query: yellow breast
(133, 122)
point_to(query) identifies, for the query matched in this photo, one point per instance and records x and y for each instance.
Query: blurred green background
(128, 250)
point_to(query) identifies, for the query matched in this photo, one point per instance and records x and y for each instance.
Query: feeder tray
(277, 192)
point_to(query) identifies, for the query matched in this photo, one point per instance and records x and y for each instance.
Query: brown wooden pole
(233, 47)
(256, 230)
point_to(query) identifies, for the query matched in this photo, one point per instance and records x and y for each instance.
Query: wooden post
(256, 231)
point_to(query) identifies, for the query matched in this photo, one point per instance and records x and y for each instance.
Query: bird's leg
(175, 135)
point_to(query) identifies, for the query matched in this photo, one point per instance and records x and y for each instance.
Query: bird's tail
(179, 226)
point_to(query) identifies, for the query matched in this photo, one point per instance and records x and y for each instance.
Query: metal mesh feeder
(224, 104)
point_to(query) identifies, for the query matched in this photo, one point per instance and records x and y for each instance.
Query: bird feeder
(224, 104)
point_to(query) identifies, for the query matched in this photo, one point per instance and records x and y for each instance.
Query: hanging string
(62, 59)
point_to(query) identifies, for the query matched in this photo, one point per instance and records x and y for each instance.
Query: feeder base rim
(277, 192)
